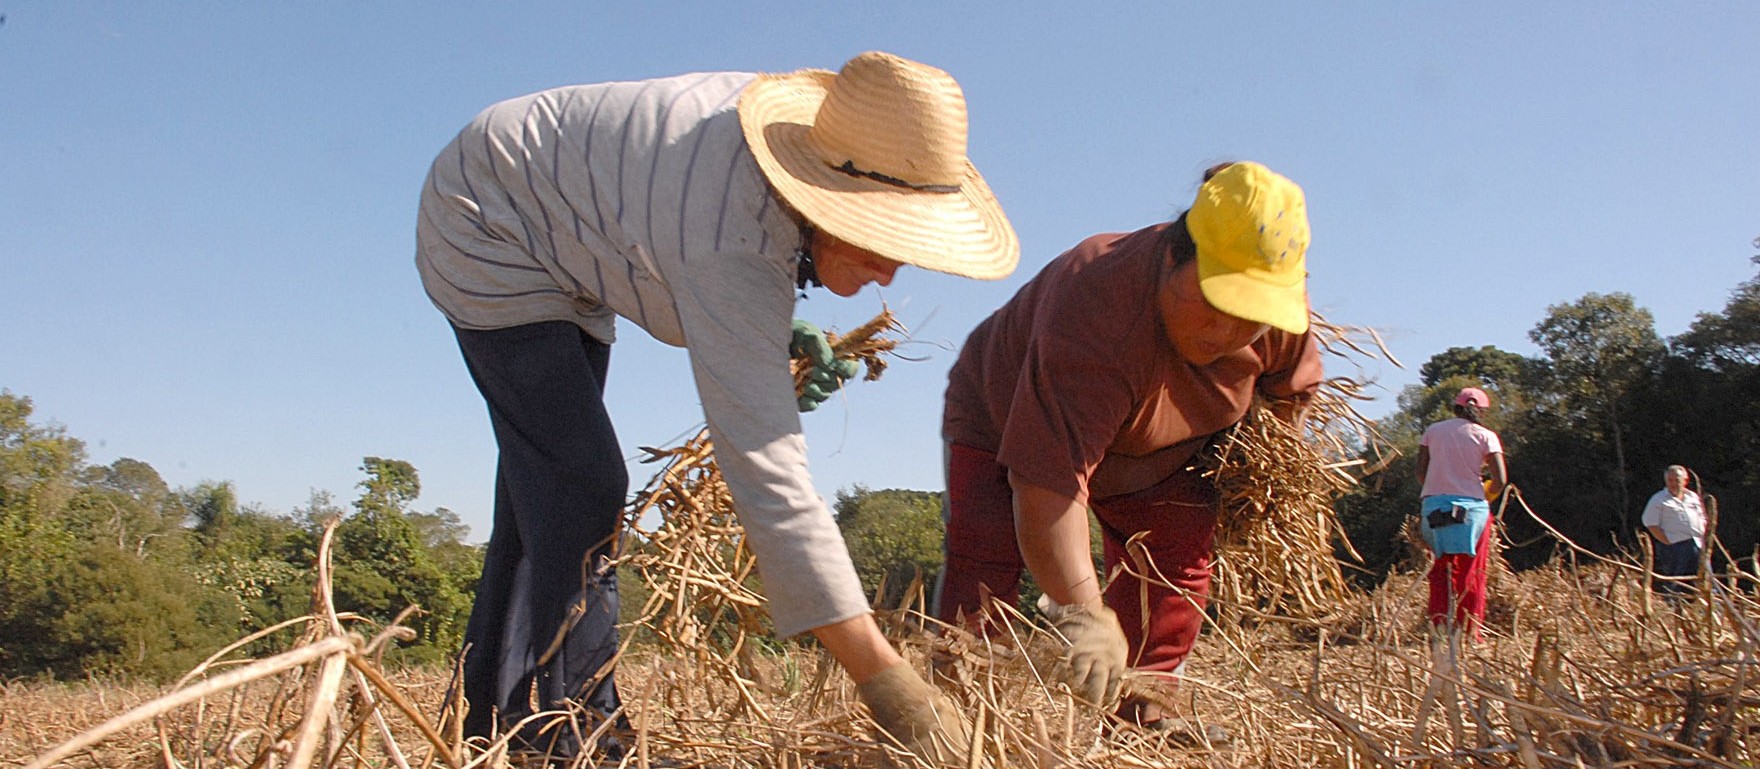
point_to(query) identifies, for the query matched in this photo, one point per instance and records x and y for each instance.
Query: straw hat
(875, 156)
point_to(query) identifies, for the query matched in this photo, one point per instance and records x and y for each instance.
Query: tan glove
(1097, 657)
(915, 716)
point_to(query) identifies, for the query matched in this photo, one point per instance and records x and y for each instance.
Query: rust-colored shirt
(1076, 387)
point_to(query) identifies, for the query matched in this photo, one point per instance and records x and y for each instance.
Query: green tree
(131, 506)
(39, 465)
(383, 561)
(445, 537)
(1485, 365)
(1703, 411)
(212, 508)
(261, 559)
(93, 575)
(319, 511)
(1600, 348)
(390, 485)
(117, 613)
(39, 468)
(893, 536)
(1729, 340)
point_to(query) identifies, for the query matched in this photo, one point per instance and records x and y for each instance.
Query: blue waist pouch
(1452, 524)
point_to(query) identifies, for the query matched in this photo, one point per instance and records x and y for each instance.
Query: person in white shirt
(694, 207)
(1675, 518)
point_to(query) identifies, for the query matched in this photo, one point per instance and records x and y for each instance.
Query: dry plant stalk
(1578, 675)
(1277, 483)
(695, 563)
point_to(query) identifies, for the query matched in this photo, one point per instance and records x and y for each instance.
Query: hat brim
(1252, 297)
(962, 233)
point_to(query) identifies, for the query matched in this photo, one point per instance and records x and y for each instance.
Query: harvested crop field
(1579, 667)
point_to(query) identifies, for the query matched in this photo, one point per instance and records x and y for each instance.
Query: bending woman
(1094, 387)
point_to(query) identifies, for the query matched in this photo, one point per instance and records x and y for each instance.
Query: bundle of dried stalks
(695, 565)
(1278, 480)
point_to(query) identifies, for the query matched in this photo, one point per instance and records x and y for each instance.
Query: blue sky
(207, 208)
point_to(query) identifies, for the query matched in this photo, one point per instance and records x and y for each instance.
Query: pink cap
(1473, 396)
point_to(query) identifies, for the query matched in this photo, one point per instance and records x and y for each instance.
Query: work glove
(827, 373)
(1095, 662)
(915, 716)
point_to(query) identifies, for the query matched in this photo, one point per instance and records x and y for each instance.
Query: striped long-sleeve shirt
(642, 200)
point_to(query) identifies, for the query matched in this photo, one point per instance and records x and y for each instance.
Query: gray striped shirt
(642, 200)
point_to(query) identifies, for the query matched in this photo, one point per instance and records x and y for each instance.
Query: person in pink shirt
(1456, 517)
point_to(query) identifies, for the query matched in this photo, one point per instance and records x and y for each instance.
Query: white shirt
(642, 200)
(1678, 518)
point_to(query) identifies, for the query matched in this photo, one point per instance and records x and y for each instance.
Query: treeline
(894, 536)
(105, 570)
(1590, 423)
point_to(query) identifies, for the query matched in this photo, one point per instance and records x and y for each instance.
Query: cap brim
(1251, 297)
(962, 233)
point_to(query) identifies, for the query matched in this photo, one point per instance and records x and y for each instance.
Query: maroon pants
(1457, 582)
(1175, 518)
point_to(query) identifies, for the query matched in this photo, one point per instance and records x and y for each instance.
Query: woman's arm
(737, 313)
(1053, 533)
(1499, 474)
(858, 645)
(1052, 530)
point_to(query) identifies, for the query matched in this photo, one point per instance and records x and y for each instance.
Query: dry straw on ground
(1574, 671)
(1581, 666)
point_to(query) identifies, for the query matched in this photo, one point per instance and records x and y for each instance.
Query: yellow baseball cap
(1251, 229)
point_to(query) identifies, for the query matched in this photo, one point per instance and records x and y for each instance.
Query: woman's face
(844, 268)
(1199, 332)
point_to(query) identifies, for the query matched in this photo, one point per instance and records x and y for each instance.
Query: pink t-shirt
(1458, 449)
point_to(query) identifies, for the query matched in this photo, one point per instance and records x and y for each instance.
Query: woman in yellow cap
(1094, 387)
(694, 207)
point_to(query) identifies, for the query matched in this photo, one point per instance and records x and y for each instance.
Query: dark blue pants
(1679, 559)
(543, 629)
